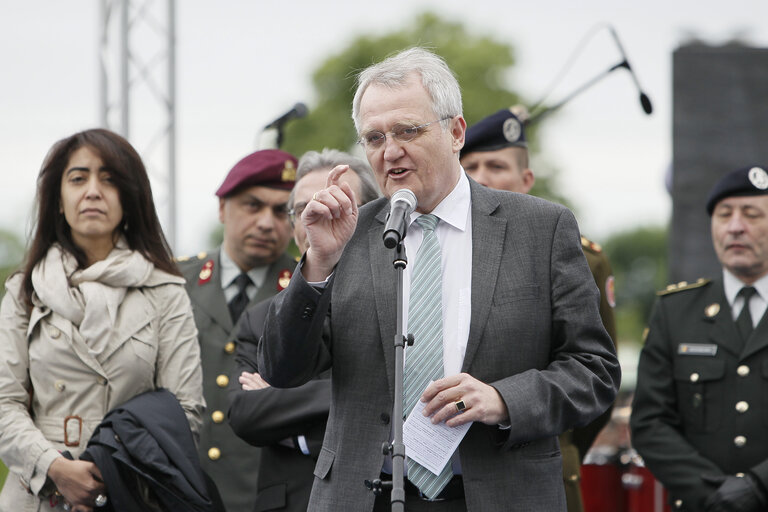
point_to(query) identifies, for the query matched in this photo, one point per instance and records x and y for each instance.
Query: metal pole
(103, 84)
(124, 70)
(172, 123)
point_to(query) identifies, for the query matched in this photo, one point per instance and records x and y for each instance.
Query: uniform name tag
(697, 349)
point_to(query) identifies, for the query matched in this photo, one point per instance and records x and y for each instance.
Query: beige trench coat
(43, 356)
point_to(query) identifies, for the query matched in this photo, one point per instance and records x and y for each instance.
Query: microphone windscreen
(645, 101)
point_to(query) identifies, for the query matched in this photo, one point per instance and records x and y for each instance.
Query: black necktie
(240, 301)
(744, 321)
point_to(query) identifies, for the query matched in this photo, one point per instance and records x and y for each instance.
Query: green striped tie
(424, 360)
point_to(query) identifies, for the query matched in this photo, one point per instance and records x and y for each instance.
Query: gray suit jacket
(535, 335)
(236, 469)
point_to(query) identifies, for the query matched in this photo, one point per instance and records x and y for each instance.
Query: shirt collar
(454, 208)
(732, 285)
(230, 270)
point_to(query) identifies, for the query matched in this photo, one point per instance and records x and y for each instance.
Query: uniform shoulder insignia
(683, 285)
(586, 243)
(198, 256)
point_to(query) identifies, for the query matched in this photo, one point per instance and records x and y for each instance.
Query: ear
(458, 131)
(222, 207)
(528, 180)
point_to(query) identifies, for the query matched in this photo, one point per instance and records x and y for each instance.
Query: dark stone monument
(720, 123)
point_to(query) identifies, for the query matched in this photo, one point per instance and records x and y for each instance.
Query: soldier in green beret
(700, 409)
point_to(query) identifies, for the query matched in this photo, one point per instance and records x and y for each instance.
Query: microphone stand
(539, 115)
(397, 448)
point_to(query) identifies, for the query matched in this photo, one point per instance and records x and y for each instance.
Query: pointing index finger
(335, 174)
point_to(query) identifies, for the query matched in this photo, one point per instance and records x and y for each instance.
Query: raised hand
(329, 219)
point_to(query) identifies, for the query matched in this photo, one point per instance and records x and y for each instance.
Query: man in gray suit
(524, 353)
(250, 266)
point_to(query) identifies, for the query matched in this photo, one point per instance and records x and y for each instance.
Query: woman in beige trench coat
(97, 315)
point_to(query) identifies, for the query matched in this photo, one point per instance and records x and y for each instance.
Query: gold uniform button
(217, 416)
(54, 332)
(102, 381)
(694, 377)
(59, 385)
(742, 370)
(214, 453)
(739, 441)
(739, 475)
(229, 348)
(573, 478)
(678, 504)
(222, 381)
(742, 406)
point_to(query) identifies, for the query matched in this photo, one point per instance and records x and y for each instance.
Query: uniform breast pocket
(700, 392)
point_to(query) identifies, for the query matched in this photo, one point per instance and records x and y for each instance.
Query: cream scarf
(90, 297)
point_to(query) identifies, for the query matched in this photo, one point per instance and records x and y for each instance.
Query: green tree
(481, 64)
(639, 260)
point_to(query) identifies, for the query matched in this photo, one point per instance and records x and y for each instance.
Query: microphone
(645, 101)
(403, 202)
(298, 111)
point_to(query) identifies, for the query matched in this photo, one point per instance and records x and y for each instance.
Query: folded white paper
(430, 445)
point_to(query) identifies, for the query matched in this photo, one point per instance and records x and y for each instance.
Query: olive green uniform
(575, 443)
(231, 462)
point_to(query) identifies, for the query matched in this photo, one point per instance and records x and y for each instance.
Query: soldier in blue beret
(250, 266)
(495, 154)
(700, 413)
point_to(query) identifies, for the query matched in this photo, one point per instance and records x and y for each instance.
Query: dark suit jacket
(272, 417)
(146, 443)
(236, 470)
(691, 376)
(535, 335)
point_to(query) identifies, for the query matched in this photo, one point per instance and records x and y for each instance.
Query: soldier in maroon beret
(250, 266)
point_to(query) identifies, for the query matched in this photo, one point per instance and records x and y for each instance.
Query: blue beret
(500, 130)
(271, 168)
(748, 181)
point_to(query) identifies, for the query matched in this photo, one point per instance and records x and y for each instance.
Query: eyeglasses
(295, 212)
(401, 132)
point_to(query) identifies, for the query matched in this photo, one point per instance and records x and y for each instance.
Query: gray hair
(328, 159)
(436, 77)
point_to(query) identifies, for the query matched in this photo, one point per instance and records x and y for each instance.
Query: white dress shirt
(230, 271)
(454, 231)
(757, 305)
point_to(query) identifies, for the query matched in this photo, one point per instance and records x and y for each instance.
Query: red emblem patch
(205, 273)
(284, 280)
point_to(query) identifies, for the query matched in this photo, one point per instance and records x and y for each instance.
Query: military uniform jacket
(228, 460)
(701, 405)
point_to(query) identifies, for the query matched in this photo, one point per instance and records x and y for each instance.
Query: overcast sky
(240, 64)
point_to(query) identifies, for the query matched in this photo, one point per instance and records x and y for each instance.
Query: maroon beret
(267, 168)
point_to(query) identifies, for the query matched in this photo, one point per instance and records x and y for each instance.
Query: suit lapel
(488, 236)
(384, 291)
(270, 285)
